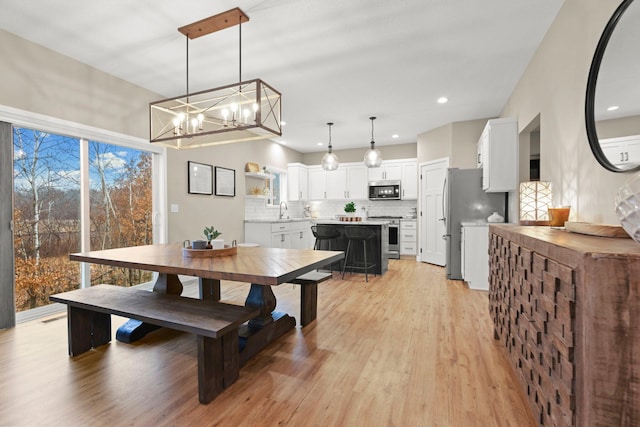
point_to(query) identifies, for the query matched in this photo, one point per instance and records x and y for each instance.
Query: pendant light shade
(330, 160)
(372, 158)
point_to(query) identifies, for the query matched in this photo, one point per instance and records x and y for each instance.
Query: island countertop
(335, 221)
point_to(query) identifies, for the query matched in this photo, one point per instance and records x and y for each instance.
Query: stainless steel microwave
(384, 190)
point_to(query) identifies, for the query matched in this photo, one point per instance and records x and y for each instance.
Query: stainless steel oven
(394, 234)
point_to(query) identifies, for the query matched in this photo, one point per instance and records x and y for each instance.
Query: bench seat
(309, 294)
(214, 323)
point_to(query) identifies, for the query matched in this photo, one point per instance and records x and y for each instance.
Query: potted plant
(211, 234)
(350, 208)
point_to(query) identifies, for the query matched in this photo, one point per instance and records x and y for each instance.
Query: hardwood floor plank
(406, 349)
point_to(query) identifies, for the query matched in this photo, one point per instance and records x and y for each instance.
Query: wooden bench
(214, 323)
(309, 294)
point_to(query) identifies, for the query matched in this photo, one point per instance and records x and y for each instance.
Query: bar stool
(328, 234)
(356, 234)
(324, 233)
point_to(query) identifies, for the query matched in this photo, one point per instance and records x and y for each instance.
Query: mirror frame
(590, 120)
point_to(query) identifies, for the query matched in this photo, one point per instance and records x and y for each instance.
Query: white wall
(554, 86)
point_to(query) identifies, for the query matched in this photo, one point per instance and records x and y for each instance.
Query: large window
(278, 185)
(53, 173)
(46, 215)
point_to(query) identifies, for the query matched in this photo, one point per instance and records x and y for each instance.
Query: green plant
(210, 233)
(350, 207)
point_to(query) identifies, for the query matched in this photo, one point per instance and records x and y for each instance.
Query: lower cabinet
(288, 235)
(408, 237)
(475, 255)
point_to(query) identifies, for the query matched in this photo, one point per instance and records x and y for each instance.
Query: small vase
(495, 217)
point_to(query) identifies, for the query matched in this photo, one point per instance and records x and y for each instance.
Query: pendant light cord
(373, 143)
(240, 49)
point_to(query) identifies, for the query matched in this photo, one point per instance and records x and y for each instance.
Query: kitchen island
(377, 250)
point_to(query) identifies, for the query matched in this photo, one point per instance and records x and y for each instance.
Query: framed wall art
(225, 182)
(200, 178)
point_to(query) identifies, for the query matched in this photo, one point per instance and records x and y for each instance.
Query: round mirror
(612, 108)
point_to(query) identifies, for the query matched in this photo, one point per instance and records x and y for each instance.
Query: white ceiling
(333, 60)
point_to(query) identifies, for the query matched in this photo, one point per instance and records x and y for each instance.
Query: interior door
(432, 226)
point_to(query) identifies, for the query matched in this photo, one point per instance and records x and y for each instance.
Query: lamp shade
(372, 157)
(535, 199)
(330, 159)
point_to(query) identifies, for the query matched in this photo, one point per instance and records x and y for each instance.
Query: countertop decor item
(495, 217)
(558, 216)
(602, 230)
(209, 253)
(350, 207)
(628, 207)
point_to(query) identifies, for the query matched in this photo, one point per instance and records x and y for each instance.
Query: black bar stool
(328, 234)
(357, 234)
(325, 233)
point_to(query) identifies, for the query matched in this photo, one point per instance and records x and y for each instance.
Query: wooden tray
(602, 230)
(209, 253)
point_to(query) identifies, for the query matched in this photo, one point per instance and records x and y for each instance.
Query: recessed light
(613, 108)
(442, 100)
(283, 142)
(319, 144)
(283, 123)
(395, 136)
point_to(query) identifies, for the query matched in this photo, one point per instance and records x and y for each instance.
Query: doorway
(432, 227)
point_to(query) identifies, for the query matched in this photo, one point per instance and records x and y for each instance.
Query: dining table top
(259, 265)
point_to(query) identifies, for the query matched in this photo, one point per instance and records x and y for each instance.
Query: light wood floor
(406, 349)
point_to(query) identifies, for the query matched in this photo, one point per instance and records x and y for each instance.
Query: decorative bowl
(628, 207)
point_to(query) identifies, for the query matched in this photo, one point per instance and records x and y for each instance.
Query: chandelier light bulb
(225, 116)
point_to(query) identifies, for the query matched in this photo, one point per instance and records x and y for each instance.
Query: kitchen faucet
(286, 208)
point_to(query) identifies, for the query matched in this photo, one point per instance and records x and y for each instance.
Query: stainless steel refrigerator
(464, 200)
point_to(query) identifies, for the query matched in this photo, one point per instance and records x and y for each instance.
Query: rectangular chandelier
(244, 111)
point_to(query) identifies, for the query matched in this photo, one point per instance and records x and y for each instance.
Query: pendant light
(330, 160)
(372, 158)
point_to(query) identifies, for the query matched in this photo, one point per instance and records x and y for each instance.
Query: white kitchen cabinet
(409, 184)
(408, 237)
(498, 155)
(289, 235)
(298, 182)
(348, 182)
(317, 183)
(622, 151)
(389, 170)
(475, 255)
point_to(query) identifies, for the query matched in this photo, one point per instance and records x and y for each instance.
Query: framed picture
(200, 178)
(225, 182)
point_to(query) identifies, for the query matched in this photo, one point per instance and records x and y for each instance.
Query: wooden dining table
(261, 267)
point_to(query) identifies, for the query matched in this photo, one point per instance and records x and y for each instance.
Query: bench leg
(86, 329)
(308, 303)
(210, 368)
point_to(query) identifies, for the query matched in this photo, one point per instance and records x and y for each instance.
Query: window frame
(85, 133)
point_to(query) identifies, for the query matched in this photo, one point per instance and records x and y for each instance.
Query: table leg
(267, 327)
(209, 289)
(133, 330)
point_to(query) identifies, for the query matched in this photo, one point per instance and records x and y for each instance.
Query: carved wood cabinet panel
(564, 307)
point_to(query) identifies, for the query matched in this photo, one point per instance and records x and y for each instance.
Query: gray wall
(389, 152)
(457, 141)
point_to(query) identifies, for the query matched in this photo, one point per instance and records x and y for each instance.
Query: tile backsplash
(257, 209)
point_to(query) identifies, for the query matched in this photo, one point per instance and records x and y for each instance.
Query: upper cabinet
(622, 152)
(349, 181)
(498, 155)
(409, 185)
(389, 170)
(298, 181)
